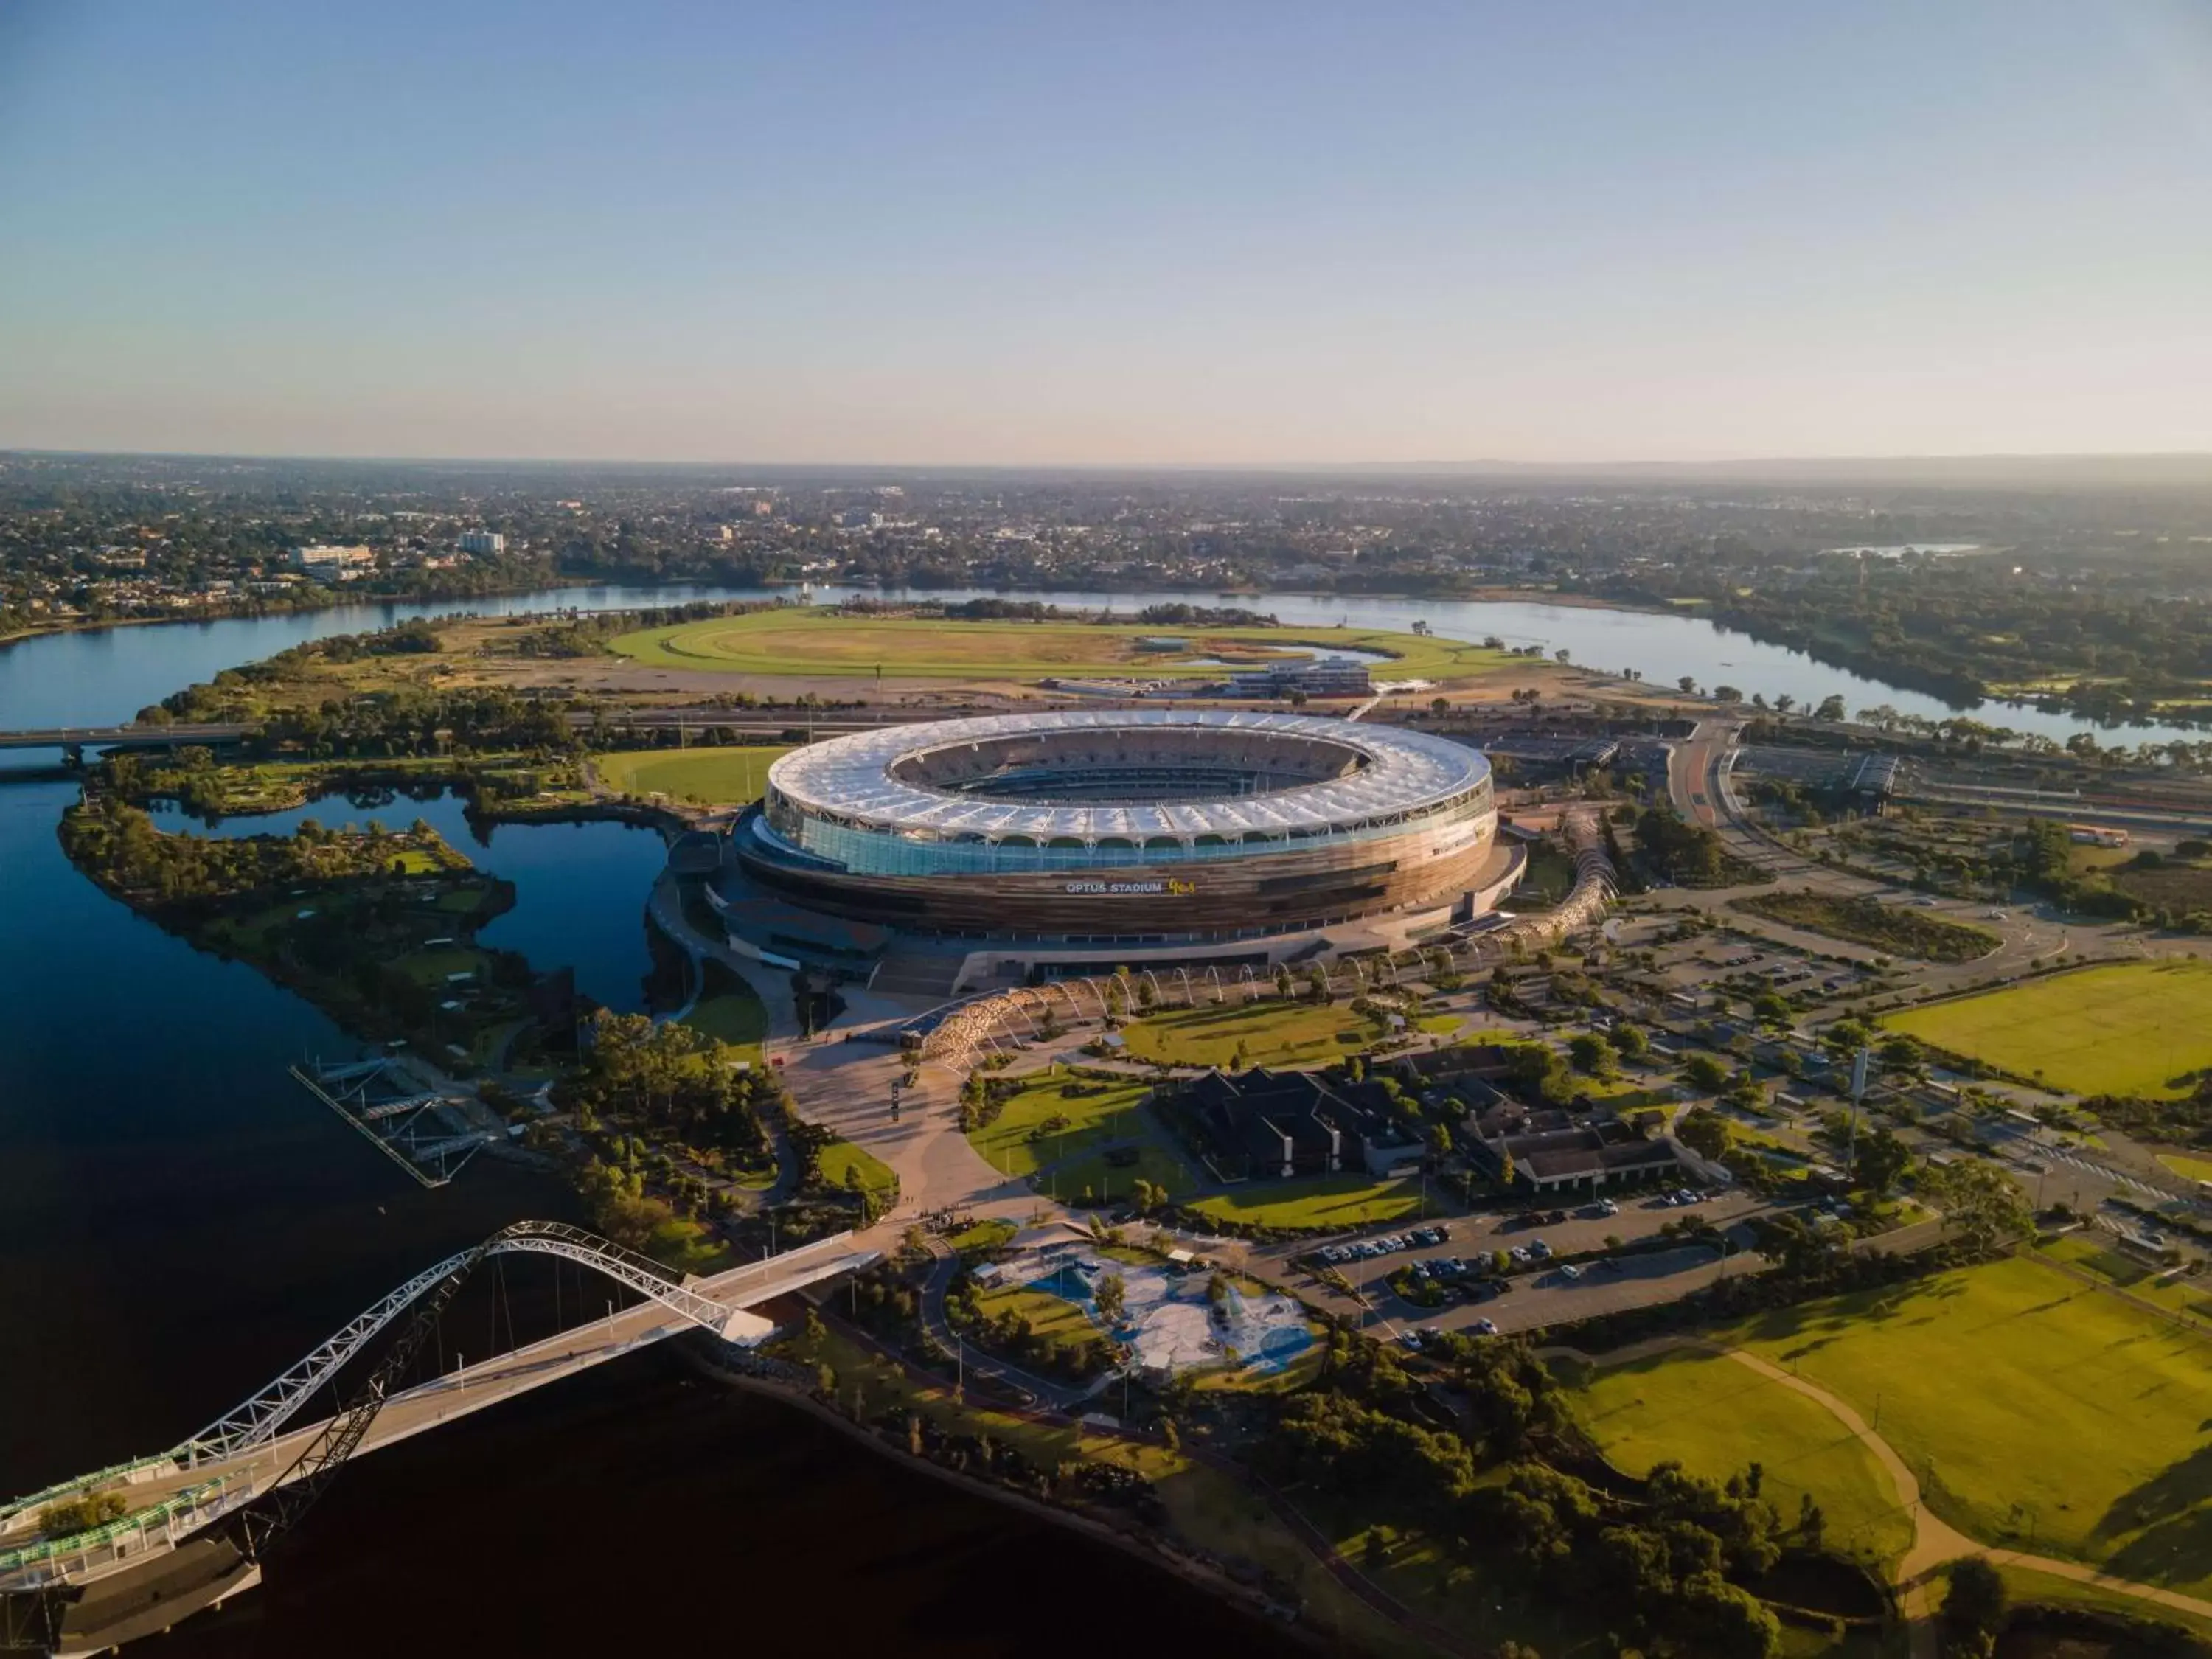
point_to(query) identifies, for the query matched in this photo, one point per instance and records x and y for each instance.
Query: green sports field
(2036, 1410)
(796, 640)
(2132, 1029)
(712, 777)
(1714, 1415)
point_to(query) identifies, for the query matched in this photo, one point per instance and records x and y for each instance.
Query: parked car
(1570, 1272)
(1485, 1327)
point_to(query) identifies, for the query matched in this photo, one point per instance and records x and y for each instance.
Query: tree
(1812, 1522)
(1831, 708)
(1974, 1607)
(1592, 1053)
(1705, 1132)
(1978, 1201)
(1630, 1042)
(1845, 1038)
(1883, 1158)
(1689, 684)
(1704, 1074)
(1110, 1294)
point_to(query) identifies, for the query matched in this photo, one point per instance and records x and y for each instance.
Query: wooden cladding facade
(1267, 892)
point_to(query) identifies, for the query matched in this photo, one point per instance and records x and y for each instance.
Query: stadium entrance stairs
(919, 968)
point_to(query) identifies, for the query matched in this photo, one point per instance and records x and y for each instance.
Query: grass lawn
(2135, 1028)
(1337, 1200)
(797, 641)
(840, 1159)
(2087, 1252)
(1156, 1162)
(712, 777)
(1713, 1416)
(729, 1011)
(1096, 1112)
(2022, 1397)
(2025, 1584)
(683, 1245)
(1273, 1033)
(2188, 1168)
(432, 967)
(983, 1236)
(1053, 1319)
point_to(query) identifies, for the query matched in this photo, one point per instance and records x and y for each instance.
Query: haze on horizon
(1114, 236)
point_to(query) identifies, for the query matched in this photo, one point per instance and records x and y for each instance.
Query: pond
(580, 887)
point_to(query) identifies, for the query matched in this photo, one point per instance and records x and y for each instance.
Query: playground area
(1173, 1320)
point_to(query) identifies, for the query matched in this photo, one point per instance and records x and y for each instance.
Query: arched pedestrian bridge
(212, 1495)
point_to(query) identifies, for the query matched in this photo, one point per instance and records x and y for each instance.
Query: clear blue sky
(1127, 232)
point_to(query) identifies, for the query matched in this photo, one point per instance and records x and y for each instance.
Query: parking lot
(1538, 1294)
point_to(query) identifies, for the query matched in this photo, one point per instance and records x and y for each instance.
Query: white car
(1570, 1272)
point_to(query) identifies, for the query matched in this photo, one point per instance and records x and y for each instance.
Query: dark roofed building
(1264, 1125)
(1551, 1156)
(1486, 1061)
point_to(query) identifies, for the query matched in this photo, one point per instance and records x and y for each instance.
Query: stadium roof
(849, 778)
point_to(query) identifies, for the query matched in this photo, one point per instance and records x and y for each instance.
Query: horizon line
(1428, 466)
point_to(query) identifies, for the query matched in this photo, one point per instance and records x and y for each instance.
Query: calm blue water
(81, 679)
(101, 677)
(580, 887)
(179, 1219)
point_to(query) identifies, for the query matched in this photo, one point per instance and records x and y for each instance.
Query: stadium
(1181, 829)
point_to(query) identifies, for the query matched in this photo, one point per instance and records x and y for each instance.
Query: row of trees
(671, 1078)
(1666, 1573)
(119, 847)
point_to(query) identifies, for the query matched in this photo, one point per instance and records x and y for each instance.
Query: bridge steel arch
(260, 1417)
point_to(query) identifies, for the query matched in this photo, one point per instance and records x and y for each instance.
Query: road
(2026, 933)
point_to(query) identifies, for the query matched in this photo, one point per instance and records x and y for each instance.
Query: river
(86, 678)
(179, 1221)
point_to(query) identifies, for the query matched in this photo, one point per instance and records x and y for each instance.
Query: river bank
(91, 678)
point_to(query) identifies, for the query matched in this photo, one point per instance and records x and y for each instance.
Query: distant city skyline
(1233, 235)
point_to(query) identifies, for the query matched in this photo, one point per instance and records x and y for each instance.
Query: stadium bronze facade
(1096, 826)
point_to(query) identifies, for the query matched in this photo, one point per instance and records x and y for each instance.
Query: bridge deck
(454, 1396)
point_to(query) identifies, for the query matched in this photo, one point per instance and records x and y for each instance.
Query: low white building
(343, 562)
